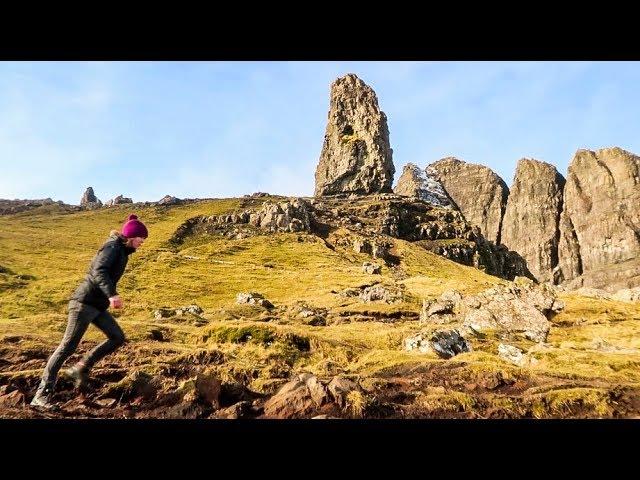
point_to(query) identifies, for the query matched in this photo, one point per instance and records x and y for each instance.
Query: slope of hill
(232, 359)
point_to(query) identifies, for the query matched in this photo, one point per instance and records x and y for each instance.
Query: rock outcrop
(479, 193)
(521, 308)
(422, 184)
(600, 225)
(531, 221)
(356, 155)
(118, 201)
(169, 200)
(9, 207)
(89, 199)
(292, 215)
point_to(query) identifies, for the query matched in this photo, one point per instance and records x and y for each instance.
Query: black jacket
(104, 272)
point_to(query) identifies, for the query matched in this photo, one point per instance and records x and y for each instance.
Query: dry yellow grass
(592, 341)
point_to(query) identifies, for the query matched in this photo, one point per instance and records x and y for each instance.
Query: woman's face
(136, 242)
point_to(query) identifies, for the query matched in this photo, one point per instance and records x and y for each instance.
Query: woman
(89, 304)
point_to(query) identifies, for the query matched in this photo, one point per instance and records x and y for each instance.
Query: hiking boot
(79, 375)
(43, 398)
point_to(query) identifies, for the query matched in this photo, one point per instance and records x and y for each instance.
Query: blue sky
(223, 129)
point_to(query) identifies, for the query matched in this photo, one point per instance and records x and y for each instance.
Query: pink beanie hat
(134, 228)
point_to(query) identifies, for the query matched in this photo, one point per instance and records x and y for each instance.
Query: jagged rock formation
(169, 200)
(118, 201)
(531, 221)
(89, 200)
(477, 191)
(422, 184)
(356, 155)
(600, 225)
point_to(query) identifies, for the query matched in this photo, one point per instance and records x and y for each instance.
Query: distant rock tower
(89, 199)
(356, 156)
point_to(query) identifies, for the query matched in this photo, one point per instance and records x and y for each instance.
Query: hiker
(89, 304)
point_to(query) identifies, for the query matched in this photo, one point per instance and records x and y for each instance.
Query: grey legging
(80, 316)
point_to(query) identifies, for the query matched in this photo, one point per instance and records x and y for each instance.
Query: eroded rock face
(356, 155)
(600, 226)
(531, 221)
(479, 193)
(415, 182)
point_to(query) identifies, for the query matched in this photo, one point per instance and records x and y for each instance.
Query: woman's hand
(115, 302)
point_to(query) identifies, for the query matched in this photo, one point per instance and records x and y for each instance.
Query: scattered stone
(380, 293)
(593, 293)
(602, 345)
(106, 402)
(513, 354)
(440, 310)
(254, 298)
(371, 268)
(444, 343)
(288, 216)
(627, 295)
(177, 312)
(237, 410)
(193, 309)
(339, 388)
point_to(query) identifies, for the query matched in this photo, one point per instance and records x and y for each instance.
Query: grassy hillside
(589, 367)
